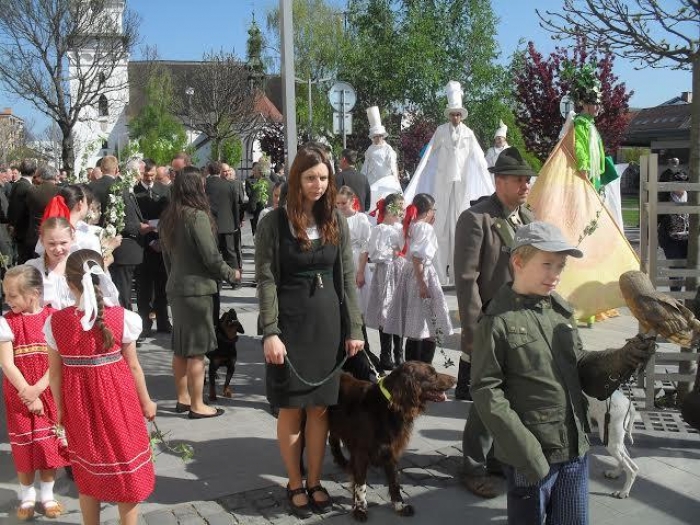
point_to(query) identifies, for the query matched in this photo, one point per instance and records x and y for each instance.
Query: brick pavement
(236, 475)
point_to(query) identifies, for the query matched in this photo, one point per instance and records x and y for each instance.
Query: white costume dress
(409, 315)
(453, 170)
(56, 291)
(382, 172)
(385, 242)
(359, 238)
(492, 155)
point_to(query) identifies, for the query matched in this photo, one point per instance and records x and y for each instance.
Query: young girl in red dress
(101, 393)
(29, 405)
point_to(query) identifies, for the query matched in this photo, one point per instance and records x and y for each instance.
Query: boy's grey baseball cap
(546, 237)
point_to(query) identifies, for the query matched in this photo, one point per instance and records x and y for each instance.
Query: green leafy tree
(230, 151)
(159, 133)
(400, 55)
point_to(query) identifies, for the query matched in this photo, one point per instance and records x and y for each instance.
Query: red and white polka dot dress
(33, 442)
(107, 437)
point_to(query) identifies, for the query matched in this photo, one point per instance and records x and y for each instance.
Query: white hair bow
(89, 299)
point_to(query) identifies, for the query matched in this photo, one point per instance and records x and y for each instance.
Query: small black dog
(226, 354)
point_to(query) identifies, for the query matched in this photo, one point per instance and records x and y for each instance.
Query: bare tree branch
(640, 29)
(39, 41)
(221, 102)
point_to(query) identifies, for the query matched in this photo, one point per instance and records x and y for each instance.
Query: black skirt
(309, 319)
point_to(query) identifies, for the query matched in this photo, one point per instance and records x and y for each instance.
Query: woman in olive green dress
(194, 267)
(305, 274)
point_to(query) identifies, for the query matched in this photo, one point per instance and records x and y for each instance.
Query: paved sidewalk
(237, 476)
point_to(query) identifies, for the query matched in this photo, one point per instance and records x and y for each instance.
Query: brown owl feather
(658, 312)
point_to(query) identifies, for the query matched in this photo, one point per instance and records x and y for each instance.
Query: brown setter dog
(374, 422)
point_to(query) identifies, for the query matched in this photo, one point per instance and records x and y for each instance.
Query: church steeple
(254, 64)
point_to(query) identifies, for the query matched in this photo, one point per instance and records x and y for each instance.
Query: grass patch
(630, 210)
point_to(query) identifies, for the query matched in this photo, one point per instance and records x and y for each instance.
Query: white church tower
(101, 128)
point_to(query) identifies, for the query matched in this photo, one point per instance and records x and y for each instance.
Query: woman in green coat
(194, 266)
(305, 274)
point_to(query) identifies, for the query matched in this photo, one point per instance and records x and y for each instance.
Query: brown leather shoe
(482, 486)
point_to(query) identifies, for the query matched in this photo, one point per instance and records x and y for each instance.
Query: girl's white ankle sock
(46, 488)
(27, 493)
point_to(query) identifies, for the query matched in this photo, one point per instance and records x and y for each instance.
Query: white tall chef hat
(501, 131)
(375, 122)
(454, 99)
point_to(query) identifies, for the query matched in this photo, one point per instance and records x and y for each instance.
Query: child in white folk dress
(385, 244)
(348, 204)
(29, 406)
(418, 310)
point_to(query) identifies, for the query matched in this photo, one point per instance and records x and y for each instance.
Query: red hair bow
(356, 203)
(411, 214)
(56, 208)
(379, 211)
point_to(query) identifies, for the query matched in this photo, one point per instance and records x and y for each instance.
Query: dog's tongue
(438, 397)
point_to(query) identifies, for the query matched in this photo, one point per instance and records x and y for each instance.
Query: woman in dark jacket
(194, 267)
(305, 275)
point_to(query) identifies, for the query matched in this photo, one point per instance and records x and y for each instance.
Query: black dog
(227, 331)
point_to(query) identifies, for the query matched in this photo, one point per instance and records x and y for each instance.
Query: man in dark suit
(37, 200)
(18, 210)
(348, 176)
(484, 237)
(130, 253)
(101, 185)
(229, 174)
(152, 198)
(225, 203)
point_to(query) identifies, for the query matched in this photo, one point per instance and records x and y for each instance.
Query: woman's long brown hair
(187, 192)
(308, 156)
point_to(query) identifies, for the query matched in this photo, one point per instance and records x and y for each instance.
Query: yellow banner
(560, 196)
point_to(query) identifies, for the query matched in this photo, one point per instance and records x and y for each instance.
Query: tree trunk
(688, 367)
(67, 150)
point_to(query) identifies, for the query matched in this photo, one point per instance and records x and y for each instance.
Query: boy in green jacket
(528, 372)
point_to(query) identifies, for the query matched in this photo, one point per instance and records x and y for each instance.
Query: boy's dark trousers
(476, 444)
(561, 498)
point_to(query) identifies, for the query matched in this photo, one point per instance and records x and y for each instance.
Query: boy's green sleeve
(515, 444)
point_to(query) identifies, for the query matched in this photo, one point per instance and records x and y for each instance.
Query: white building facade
(102, 127)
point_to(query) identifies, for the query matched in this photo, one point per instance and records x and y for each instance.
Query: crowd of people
(325, 271)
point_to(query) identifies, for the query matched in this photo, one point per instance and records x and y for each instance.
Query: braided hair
(74, 276)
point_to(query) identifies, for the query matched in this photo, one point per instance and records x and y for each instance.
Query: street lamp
(190, 92)
(308, 83)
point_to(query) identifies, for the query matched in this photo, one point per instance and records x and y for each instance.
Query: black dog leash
(313, 384)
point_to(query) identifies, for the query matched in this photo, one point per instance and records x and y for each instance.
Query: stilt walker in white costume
(380, 166)
(453, 170)
(499, 144)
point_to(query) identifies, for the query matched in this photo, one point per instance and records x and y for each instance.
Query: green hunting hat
(510, 162)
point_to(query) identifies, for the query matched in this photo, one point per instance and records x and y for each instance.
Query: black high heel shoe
(300, 511)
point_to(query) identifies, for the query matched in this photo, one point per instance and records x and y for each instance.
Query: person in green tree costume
(588, 144)
(591, 161)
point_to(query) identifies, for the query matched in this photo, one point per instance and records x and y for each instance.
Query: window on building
(103, 107)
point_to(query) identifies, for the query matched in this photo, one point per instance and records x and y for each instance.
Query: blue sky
(184, 29)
